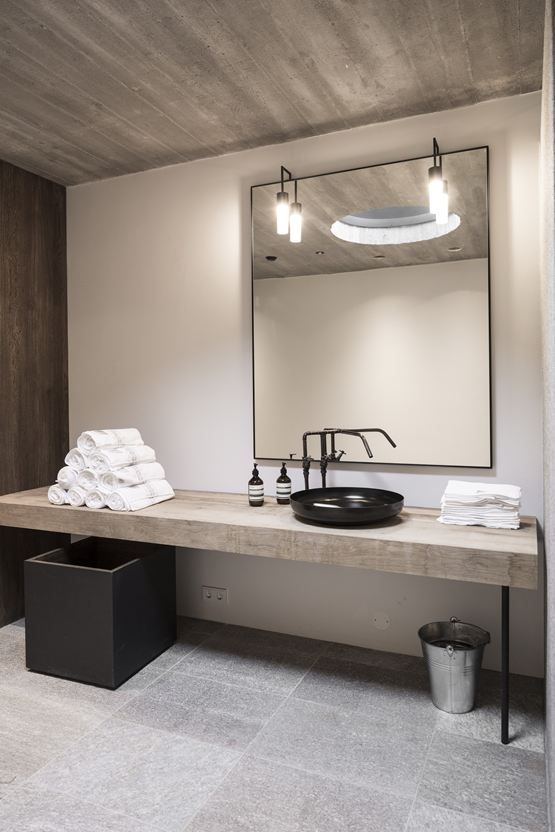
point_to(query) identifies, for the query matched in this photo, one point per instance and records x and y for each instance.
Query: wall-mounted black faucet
(334, 455)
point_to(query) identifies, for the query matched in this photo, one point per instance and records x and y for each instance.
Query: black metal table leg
(505, 665)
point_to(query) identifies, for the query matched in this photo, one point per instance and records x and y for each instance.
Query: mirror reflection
(379, 316)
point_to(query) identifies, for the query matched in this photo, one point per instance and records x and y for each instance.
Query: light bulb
(435, 187)
(295, 223)
(282, 212)
(442, 212)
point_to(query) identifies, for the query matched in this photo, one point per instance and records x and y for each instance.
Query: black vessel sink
(346, 506)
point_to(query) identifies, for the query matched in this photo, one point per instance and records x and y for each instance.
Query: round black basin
(346, 506)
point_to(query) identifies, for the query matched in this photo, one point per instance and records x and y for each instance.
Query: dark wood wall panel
(33, 357)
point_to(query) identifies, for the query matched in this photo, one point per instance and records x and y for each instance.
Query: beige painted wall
(405, 349)
(159, 329)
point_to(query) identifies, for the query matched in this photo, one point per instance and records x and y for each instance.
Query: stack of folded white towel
(481, 504)
(113, 469)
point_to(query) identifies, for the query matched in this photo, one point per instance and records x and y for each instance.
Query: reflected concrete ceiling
(96, 88)
(327, 198)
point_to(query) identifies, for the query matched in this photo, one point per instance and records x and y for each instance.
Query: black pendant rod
(285, 172)
(437, 154)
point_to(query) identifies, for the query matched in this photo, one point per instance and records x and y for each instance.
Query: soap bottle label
(256, 494)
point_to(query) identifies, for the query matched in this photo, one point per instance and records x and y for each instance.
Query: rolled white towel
(136, 497)
(87, 479)
(57, 495)
(112, 458)
(67, 477)
(76, 460)
(92, 440)
(132, 475)
(96, 498)
(76, 496)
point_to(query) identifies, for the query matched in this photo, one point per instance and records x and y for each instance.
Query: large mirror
(379, 317)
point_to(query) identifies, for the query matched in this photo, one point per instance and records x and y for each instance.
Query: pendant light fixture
(437, 186)
(296, 220)
(282, 204)
(442, 212)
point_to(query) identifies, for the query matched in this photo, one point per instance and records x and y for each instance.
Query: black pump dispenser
(256, 488)
(283, 486)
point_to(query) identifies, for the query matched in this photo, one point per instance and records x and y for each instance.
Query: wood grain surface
(33, 356)
(413, 543)
(95, 88)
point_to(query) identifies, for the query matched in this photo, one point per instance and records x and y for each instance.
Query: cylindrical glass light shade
(435, 187)
(295, 223)
(282, 212)
(442, 211)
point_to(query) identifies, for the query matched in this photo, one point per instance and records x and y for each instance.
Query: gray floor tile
(187, 642)
(35, 810)
(253, 659)
(369, 751)
(426, 817)
(12, 651)
(41, 716)
(526, 713)
(153, 776)
(376, 658)
(399, 696)
(496, 782)
(34, 728)
(203, 709)
(263, 796)
(19, 623)
(197, 625)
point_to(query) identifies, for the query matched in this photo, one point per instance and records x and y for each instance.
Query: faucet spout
(334, 455)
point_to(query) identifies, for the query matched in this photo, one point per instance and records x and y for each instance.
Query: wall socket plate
(381, 620)
(215, 595)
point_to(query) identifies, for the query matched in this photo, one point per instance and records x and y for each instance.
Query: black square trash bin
(99, 610)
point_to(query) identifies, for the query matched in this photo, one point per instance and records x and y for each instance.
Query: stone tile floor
(238, 730)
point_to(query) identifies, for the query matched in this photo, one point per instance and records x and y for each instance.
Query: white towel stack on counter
(481, 504)
(111, 468)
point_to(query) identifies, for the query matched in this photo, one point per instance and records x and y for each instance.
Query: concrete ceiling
(327, 198)
(96, 88)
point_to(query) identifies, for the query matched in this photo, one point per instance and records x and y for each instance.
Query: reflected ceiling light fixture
(296, 220)
(437, 187)
(282, 204)
(394, 225)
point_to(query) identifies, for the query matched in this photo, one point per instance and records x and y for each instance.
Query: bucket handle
(450, 650)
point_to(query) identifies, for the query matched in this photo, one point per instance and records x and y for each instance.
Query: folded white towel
(132, 475)
(76, 460)
(112, 458)
(57, 495)
(76, 496)
(96, 498)
(87, 479)
(136, 497)
(490, 524)
(462, 491)
(494, 505)
(67, 477)
(91, 440)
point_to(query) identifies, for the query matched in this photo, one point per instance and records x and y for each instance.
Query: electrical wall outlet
(381, 620)
(215, 595)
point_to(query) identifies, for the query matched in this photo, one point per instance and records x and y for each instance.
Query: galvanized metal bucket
(453, 652)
